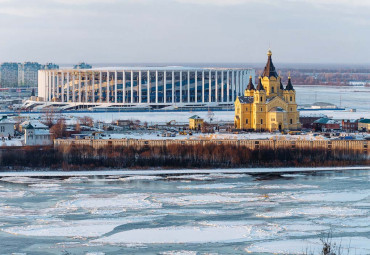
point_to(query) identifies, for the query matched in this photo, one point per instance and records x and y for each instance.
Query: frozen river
(185, 214)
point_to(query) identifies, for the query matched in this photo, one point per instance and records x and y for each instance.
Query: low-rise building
(35, 123)
(34, 136)
(195, 122)
(307, 121)
(364, 125)
(6, 127)
(326, 124)
(350, 125)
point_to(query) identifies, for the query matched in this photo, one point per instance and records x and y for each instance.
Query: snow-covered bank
(180, 171)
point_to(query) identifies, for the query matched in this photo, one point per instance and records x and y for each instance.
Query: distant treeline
(172, 156)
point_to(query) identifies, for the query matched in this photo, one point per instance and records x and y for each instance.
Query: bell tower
(270, 78)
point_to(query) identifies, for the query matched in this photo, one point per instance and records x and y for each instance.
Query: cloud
(351, 3)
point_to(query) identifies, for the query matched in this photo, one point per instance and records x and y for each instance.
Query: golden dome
(269, 53)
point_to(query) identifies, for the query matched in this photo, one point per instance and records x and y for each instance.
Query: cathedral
(268, 106)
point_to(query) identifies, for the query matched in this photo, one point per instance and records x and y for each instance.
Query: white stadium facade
(142, 87)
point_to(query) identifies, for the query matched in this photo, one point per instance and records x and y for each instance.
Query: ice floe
(209, 186)
(141, 178)
(76, 229)
(288, 186)
(314, 211)
(345, 196)
(353, 245)
(116, 202)
(210, 198)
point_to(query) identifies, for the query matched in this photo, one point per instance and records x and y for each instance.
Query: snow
(76, 229)
(184, 234)
(288, 186)
(182, 117)
(350, 245)
(326, 211)
(209, 186)
(333, 196)
(198, 172)
(110, 202)
(209, 198)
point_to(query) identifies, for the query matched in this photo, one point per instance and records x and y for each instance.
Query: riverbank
(156, 172)
(177, 156)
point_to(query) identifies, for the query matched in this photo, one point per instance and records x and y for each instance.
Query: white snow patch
(209, 186)
(210, 198)
(345, 196)
(141, 178)
(76, 229)
(109, 202)
(314, 211)
(353, 245)
(288, 186)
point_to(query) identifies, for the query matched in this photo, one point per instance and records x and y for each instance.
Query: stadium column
(210, 86)
(79, 87)
(180, 86)
(139, 87)
(241, 73)
(173, 87)
(100, 87)
(156, 86)
(188, 86)
(48, 86)
(108, 92)
(73, 87)
(132, 87)
(228, 86)
(123, 86)
(93, 86)
(196, 87)
(216, 87)
(54, 85)
(62, 86)
(165, 87)
(233, 86)
(148, 87)
(86, 87)
(67, 87)
(203, 85)
(115, 86)
(222, 86)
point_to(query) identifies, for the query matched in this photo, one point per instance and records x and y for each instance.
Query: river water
(185, 214)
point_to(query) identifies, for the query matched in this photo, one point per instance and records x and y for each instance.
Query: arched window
(291, 121)
(246, 121)
(261, 121)
(261, 99)
(272, 89)
(291, 99)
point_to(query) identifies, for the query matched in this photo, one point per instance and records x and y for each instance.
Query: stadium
(141, 87)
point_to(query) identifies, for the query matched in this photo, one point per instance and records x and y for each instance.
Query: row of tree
(173, 156)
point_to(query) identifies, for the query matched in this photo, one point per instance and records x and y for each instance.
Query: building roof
(195, 117)
(367, 121)
(325, 121)
(36, 124)
(260, 86)
(269, 70)
(5, 119)
(250, 84)
(289, 86)
(28, 126)
(277, 109)
(281, 85)
(246, 100)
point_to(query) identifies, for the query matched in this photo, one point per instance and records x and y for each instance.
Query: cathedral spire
(269, 70)
(250, 84)
(289, 86)
(260, 86)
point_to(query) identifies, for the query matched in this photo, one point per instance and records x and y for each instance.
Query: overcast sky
(158, 31)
